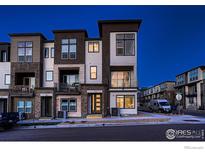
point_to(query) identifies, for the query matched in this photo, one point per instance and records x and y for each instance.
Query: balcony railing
(64, 87)
(20, 90)
(123, 83)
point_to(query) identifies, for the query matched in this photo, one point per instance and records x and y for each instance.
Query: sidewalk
(143, 118)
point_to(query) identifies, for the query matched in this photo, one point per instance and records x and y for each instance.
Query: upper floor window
(49, 75)
(120, 79)
(193, 75)
(93, 72)
(7, 79)
(180, 80)
(68, 48)
(52, 52)
(125, 44)
(3, 56)
(46, 52)
(25, 51)
(93, 47)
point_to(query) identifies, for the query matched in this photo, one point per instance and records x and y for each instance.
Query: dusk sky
(171, 39)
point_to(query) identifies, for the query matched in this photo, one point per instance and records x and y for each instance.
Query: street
(117, 133)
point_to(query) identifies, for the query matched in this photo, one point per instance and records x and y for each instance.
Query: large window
(7, 79)
(68, 48)
(46, 52)
(93, 72)
(25, 51)
(93, 47)
(125, 44)
(120, 79)
(49, 75)
(69, 105)
(125, 101)
(24, 106)
(193, 75)
(71, 79)
(180, 79)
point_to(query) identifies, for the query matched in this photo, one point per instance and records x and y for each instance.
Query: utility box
(115, 111)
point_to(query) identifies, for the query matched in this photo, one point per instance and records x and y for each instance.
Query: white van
(160, 105)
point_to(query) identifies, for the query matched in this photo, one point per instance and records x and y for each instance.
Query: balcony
(22, 90)
(62, 88)
(123, 84)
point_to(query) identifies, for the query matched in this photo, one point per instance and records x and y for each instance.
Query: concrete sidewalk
(144, 118)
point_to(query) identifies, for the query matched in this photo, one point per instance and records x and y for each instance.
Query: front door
(96, 103)
(46, 106)
(3, 105)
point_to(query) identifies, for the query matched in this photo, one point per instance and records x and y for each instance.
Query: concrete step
(94, 116)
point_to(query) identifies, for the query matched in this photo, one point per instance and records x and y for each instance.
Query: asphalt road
(120, 133)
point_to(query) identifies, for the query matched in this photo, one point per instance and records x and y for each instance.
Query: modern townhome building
(164, 90)
(5, 72)
(86, 77)
(191, 86)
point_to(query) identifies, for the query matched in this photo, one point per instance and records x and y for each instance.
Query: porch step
(94, 116)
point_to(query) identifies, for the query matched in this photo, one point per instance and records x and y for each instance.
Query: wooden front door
(96, 103)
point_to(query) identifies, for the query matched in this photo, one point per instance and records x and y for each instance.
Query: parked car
(160, 105)
(8, 120)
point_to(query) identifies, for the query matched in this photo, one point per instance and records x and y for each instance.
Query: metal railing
(64, 87)
(123, 83)
(21, 90)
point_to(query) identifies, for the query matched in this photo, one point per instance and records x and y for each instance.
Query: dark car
(9, 119)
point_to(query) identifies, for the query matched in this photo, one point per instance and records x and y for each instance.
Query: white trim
(4, 97)
(46, 94)
(94, 91)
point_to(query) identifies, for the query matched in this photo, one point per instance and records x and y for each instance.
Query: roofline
(201, 66)
(160, 84)
(129, 21)
(28, 34)
(92, 39)
(49, 41)
(4, 43)
(71, 31)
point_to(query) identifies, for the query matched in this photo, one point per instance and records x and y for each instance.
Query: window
(93, 72)
(193, 75)
(120, 79)
(52, 52)
(7, 79)
(68, 48)
(3, 56)
(125, 44)
(64, 105)
(28, 105)
(125, 101)
(49, 75)
(69, 105)
(20, 106)
(46, 52)
(24, 106)
(71, 79)
(93, 47)
(25, 51)
(72, 105)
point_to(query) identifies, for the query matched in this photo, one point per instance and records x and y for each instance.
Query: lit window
(24, 106)
(93, 72)
(20, 106)
(49, 75)
(93, 47)
(120, 79)
(125, 102)
(28, 106)
(7, 79)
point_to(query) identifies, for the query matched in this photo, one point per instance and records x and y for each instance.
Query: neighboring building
(74, 73)
(164, 90)
(191, 85)
(5, 66)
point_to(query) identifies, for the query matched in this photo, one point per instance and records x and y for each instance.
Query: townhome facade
(164, 90)
(190, 85)
(71, 74)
